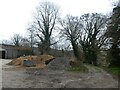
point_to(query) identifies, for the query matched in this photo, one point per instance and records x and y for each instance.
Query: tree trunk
(76, 53)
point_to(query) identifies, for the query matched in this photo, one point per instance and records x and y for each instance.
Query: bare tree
(24, 42)
(44, 24)
(71, 28)
(6, 42)
(32, 39)
(93, 35)
(16, 39)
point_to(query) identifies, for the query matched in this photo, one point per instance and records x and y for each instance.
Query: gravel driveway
(19, 77)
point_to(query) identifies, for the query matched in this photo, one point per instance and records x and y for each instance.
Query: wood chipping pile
(39, 61)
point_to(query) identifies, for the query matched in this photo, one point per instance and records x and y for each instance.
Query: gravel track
(19, 77)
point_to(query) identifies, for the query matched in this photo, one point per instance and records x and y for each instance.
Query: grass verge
(114, 70)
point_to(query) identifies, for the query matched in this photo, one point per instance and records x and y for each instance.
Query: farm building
(11, 51)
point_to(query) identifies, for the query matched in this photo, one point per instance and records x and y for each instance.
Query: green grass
(78, 69)
(114, 70)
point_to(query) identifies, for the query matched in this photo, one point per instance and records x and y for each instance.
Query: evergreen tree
(114, 35)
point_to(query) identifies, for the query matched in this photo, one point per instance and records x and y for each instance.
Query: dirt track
(17, 77)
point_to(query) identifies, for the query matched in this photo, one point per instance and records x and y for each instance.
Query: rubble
(60, 63)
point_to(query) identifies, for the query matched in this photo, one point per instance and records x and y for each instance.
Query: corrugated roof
(6, 47)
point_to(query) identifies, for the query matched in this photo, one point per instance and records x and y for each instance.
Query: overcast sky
(16, 14)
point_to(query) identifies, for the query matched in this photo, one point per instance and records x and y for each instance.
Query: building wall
(14, 52)
(0, 54)
(11, 53)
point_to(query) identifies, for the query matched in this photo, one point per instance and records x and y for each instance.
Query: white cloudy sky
(16, 14)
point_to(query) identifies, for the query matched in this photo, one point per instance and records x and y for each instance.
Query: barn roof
(5, 46)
